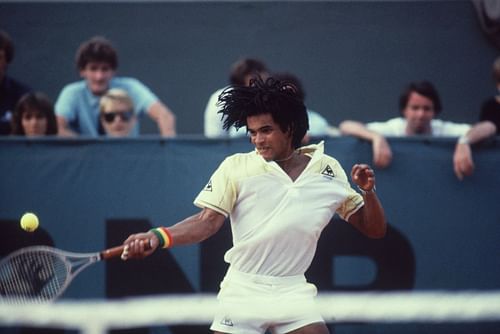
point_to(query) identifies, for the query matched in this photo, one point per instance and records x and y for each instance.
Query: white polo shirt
(396, 127)
(276, 222)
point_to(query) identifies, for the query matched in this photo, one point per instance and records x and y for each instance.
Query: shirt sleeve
(65, 104)
(220, 192)
(353, 201)
(141, 95)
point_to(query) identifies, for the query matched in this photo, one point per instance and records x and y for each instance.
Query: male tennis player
(278, 198)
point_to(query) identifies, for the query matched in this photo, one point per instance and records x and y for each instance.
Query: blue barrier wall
(90, 194)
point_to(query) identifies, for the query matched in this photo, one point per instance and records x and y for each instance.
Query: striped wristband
(164, 236)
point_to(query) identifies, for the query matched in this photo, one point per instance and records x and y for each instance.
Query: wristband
(364, 192)
(164, 236)
(464, 140)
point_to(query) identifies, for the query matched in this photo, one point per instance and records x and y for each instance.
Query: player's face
(419, 113)
(269, 140)
(34, 123)
(98, 75)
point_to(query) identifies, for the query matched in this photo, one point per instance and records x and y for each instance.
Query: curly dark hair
(280, 99)
(96, 49)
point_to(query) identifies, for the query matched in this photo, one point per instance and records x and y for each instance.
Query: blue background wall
(90, 194)
(354, 56)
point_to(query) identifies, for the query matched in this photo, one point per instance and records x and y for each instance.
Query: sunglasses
(109, 117)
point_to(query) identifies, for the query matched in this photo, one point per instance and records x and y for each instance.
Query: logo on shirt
(226, 321)
(328, 171)
(208, 187)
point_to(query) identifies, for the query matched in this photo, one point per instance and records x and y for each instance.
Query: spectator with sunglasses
(34, 116)
(77, 107)
(117, 113)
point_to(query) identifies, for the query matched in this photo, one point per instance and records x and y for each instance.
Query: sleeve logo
(208, 187)
(328, 171)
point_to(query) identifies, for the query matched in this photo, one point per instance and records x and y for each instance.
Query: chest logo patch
(328, 171)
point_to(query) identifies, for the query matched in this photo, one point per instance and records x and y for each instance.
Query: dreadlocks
(278, 98)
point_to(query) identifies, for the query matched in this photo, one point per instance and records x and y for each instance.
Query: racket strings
(32, 277)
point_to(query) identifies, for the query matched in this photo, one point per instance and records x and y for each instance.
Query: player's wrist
(164, 237)
(367, 191)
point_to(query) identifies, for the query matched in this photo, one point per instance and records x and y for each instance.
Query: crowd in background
(103, 104)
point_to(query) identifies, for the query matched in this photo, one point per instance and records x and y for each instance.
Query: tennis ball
(29, 222)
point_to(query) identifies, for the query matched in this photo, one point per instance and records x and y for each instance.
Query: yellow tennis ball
(29, 222)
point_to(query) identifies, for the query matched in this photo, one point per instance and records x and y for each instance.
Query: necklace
(287, 158)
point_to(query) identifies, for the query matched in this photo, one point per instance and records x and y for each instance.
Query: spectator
(419, 104)
(242, 71)
(117, 113)
(34, 116)
(488, 126)
(490, 110)
(318, 125)
(77, 107)
(10, 90)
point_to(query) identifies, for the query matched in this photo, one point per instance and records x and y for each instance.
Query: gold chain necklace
(287, 158)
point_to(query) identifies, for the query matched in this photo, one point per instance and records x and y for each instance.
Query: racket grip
(118, 250)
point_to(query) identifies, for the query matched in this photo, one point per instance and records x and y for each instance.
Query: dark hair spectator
(97, 49)
(11, 90)
(424, 88)
(246, 68)
(77, 107)
(34, 116)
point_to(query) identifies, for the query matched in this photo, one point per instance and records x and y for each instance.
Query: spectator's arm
(382, 154)
(164, 118)
(463, 165)
(63, 128)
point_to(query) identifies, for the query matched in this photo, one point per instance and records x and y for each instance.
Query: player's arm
(463, 165)
(164, 118)
(191, 230)
(382, 154)
(63, 128)
(370, 219)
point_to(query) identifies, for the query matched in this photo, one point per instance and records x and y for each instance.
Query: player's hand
(363, 176)
(463, 165)
(382, 154)
(140, 245)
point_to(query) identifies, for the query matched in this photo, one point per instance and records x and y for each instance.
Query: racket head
(34, 274)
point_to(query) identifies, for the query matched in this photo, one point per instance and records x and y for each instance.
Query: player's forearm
(196, 228)
(370, 219)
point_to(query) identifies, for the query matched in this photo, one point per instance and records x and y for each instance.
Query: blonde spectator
(116, 113)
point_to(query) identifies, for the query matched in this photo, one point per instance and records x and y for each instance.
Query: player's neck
(290, 157)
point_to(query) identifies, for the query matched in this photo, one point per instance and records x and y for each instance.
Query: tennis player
(279, 198)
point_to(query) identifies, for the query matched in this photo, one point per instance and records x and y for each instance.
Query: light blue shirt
(80, 107)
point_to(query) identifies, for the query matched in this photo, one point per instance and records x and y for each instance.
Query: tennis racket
(39, 274)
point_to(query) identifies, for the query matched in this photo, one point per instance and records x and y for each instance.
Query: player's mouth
(264, 151)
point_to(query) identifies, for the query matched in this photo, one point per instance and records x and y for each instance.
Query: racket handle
(118, 250)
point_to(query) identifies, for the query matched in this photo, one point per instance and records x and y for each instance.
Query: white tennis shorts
(255, 303)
